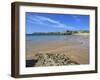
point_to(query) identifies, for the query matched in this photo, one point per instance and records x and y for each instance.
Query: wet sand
(75, 50)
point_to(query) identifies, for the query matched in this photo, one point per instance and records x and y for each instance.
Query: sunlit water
(84, 40)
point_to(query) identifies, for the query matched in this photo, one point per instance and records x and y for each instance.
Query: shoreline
(79, 33)
(75, 50)
(82, 34)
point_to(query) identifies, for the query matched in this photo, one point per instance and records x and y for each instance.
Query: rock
(51, 59)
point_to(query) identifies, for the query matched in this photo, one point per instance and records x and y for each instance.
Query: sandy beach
(77, 49)
(57, 39)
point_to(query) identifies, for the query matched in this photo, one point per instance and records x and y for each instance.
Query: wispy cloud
(42, 20)
(76, 18)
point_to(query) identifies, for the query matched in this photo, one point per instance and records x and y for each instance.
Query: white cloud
(76, 18)
(47, 21)
(42, 18)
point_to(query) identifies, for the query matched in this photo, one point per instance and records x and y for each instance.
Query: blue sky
(47, 22)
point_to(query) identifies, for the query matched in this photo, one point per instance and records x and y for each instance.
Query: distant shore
(67, 32)
(84, 34)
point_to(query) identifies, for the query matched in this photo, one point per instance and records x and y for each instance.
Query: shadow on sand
(31, 63)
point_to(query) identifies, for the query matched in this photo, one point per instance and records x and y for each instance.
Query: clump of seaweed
(49, 59)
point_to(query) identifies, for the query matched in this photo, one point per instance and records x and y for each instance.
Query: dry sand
(74, 50)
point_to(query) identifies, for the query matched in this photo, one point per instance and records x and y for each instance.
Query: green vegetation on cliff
(67, 32)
